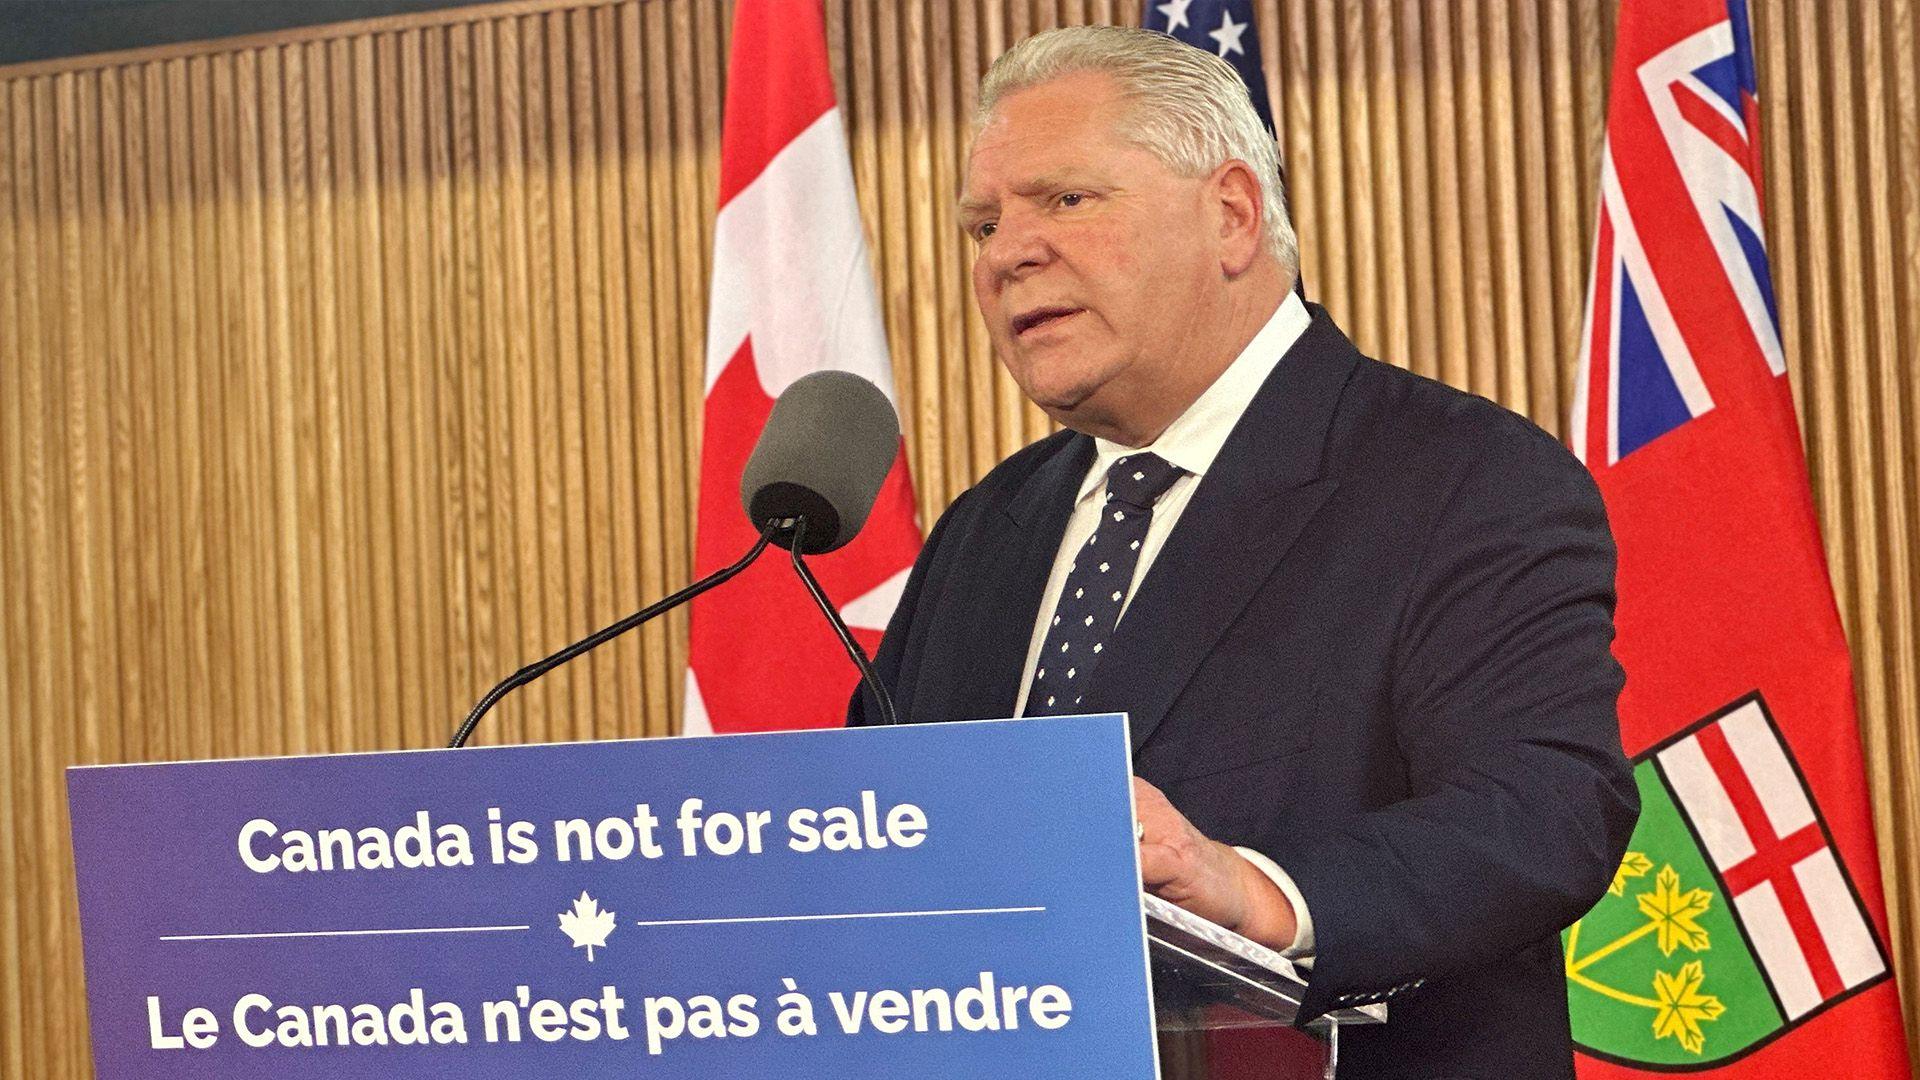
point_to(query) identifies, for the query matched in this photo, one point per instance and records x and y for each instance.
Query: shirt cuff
(1302, 947)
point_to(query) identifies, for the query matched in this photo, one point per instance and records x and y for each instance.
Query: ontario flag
(793, 293)
(1744, 930)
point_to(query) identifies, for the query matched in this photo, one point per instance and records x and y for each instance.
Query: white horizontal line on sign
(342, 933)
(847, 915)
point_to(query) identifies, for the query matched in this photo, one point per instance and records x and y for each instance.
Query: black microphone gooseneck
(823, 455)
(881, 699)
(600, 637)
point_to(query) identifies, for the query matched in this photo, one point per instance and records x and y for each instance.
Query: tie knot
(1140, 479)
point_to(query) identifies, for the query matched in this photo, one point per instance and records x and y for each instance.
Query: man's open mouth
(1039, 317)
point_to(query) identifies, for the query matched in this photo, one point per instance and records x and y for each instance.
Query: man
(1360, 620)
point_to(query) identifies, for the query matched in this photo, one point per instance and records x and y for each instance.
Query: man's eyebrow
(1034, 186)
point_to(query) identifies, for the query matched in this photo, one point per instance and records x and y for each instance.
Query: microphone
(817, 501)
(810, 483)
(825, 452)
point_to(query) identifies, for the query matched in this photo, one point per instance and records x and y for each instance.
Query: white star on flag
(1176, 13)
(1229, 34)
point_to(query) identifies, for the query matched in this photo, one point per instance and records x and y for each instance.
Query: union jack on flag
(1697, 108)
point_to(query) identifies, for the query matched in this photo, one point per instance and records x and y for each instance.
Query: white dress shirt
(1191, 442)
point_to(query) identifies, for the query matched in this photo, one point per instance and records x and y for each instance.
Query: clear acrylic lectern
(1209, 979)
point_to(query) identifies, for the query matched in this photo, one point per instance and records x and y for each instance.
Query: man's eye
(1072, 198)
(983, 230)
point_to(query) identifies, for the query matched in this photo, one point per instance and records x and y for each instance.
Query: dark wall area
(42, 29)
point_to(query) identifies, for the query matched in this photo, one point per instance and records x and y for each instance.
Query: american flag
(1224, 28)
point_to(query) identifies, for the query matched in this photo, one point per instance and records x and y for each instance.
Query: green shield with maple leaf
(1659, 973)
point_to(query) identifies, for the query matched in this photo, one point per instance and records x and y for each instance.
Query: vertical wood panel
(18, 919)
(1416, 189)
(225, 367)
(640, 397)
(401, 589)
(1537, 309)
(664, 246)
(1451, 284)
(1897, 738)
(694, 153)
(635, 659)
(343, 372)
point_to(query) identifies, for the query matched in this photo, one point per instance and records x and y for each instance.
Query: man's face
(1094, 260)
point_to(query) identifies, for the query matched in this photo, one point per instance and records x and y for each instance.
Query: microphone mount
(789, 532)
(881, 699)
(540, 667)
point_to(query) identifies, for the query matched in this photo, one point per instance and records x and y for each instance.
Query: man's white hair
(1190, 108)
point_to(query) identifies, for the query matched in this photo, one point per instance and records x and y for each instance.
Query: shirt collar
(1194, 438)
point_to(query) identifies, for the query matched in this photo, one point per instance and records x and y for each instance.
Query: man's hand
(1210, 879)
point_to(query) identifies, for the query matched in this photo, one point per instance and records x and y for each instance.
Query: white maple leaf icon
(587, 925)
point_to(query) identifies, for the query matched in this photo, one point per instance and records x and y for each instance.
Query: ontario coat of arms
(1731, 919)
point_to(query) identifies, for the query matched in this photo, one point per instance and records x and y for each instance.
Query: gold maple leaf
(587, 925)
(1673, 912)
(1634, 865)
(1683, 1008)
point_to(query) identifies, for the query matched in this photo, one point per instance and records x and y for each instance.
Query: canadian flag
(793, 293)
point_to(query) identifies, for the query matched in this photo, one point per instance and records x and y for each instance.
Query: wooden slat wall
(342, 371)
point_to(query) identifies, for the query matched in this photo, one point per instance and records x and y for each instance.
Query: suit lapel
(1261, 492)
(1014, 562)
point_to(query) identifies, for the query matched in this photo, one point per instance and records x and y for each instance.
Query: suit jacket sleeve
(1503, 702)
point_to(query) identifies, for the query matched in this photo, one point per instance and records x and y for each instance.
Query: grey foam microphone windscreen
(823, 455)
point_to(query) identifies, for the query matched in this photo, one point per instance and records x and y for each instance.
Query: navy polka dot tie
(1097, 584)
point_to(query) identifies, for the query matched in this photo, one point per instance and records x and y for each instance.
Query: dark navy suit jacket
(1376, 648)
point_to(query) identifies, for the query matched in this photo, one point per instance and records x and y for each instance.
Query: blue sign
(951, 900)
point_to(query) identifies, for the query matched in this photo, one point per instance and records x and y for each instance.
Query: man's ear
(1235, 193)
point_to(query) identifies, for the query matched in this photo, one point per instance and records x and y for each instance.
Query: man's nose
(1018, 248)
